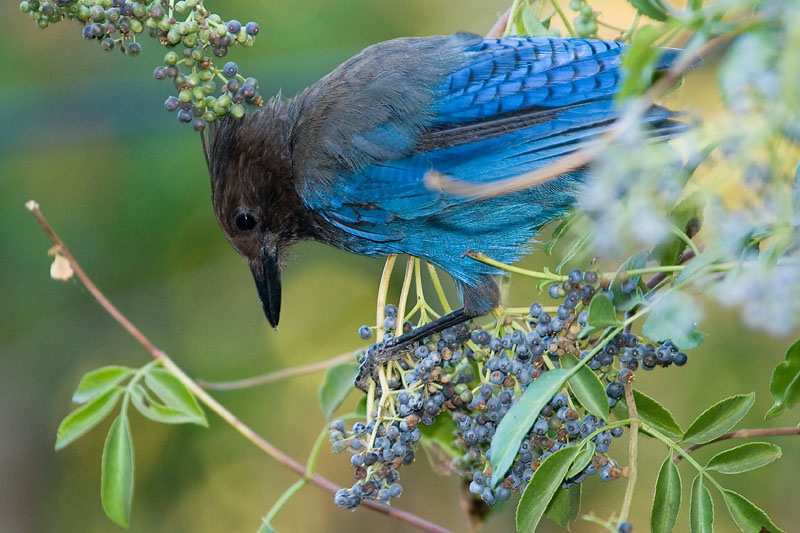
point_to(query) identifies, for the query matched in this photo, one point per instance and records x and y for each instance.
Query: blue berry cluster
(378, 450)
(185, 26)
(475, 375)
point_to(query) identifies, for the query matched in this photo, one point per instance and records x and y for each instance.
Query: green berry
(25, 7)
(190, 40)
(237, 110)
(209, 87)
(179, 81)
(171, 58)
(210, 116)
(575, 5)
(173, 37)
(185, 96)
(136, 26)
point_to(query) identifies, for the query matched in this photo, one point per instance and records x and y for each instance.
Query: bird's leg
(397, 347)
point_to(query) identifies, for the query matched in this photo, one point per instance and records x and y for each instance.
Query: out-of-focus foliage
(147, 233)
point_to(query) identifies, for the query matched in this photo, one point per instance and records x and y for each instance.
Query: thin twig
(277, 375)
(437, 181)
(633, 454)
(207, 399)
(744, 434)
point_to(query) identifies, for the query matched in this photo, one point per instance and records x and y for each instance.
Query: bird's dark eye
(245, 221)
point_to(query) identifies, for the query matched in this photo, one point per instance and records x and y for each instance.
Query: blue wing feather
(512, 106)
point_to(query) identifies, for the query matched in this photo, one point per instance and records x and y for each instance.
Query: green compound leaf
(116, 482)
(543, 485)
(627, 301)
(785, 383)
(587, 387)
(745, 457)
(582, 461)
(667, 497)
(656, 415)
(533, 26)
(747, 516)
(602, 313)
(437, 439)
(175, 395)
(85, 417)
(577, 247)
(653, 9)
(154, 410)
(99, 381)
(701, 508)
(670, 249)
(565, 505)
(719, 418)
(639, 62)
(674, 316)
(519, 420)
(337, 385)
(566, 223)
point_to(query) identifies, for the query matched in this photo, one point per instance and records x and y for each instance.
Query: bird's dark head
(253, 194)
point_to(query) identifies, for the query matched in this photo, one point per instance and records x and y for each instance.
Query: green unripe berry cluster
(194, 36)
(586, 21)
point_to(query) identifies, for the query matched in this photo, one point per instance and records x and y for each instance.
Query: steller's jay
(343, 162)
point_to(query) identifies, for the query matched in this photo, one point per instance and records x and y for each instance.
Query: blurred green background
(84, 133)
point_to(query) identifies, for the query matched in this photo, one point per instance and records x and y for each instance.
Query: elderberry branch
(207, 399)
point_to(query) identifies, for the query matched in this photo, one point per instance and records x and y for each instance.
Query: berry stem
(285, 497)
(401, 305)
(600, 522)
(633, 454)
(564, 18)
(209, 401)
(679, 450)
(610, 26)
(437, 284)
(478, 256)
(512, 17)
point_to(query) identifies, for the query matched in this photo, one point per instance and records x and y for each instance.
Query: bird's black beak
(267, 274)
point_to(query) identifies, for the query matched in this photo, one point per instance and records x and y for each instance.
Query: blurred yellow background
(83, 132)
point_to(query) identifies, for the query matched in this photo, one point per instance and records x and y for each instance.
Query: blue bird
(344, 161)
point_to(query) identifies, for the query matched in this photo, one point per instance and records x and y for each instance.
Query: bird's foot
(382, 353)
(396, 348)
